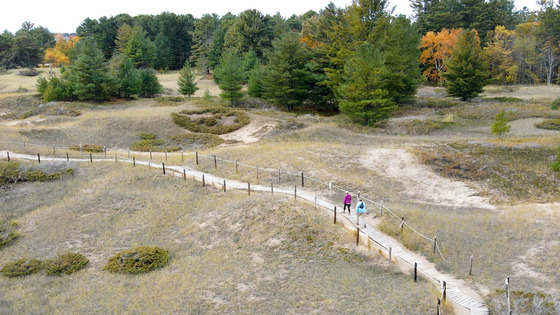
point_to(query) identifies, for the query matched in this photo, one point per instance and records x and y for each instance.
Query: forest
(360, 60)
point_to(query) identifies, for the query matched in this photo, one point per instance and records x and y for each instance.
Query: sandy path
(421, 184)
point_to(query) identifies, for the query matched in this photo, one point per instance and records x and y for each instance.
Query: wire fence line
(86, 154)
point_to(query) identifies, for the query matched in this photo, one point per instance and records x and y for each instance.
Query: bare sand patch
(421, 183)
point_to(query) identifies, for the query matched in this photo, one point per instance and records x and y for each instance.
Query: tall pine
(186, 81)
(466, 69)
(230, 76)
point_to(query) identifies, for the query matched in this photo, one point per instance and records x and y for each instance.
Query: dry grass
(229, 253)
(10, 82)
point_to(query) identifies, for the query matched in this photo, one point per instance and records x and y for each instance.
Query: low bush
(7, 233)
(21, 267)
(556, 164)
(555, 104)
(503, 99)
(551, 124)
(138, 260)
(217, 120)
(94, 148)
(40, 176)
(66, 263)
(454, 164)
(149, 142)
(148, 136)
(419, 127)
(62, 111)
(13, 172)
(197, 140)
(28, 73)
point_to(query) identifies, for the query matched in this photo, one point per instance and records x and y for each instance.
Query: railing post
(133, 161)
(215, 162)
(8, 156)
(390, 252)
(302, 182)
(257, 172)
(334, 214)
(67, 157)
(470, 269)
(444, 291)
(508, 296)
(182, 157)
(249, 189)
(105, 151)
(163, 167)
(203, 183)
(90, 157)
(295, 192)
(278, 175)
(39, 158)
(150, 154)
(184, 174)
(402, 223)
(196, 157)
(435, 244)
(415, 272)
(438, 310)
(53, 150)
(81, 150)
(357, 236)
(224, 185)
(165, 151)
(236, 168)
(315, 201)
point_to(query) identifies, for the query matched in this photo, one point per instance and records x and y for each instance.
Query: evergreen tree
(186, 81)
(229, 75)
(288, 77)
(500, 124)
(163, 58)
(466, 69)
(128, 78)
(88, 76)
(255, 87)
(363, 97)
(140, 49)
(203, 37)
(149, 83)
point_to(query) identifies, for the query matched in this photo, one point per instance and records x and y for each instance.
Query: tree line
(361, 59)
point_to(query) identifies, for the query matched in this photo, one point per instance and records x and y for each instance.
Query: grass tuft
(216, 120)
(551, 124)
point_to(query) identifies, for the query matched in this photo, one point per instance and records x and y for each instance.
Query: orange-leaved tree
(499, 55)
(436, 48)
(58, 55)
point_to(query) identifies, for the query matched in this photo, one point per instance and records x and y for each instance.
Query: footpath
(465, 300)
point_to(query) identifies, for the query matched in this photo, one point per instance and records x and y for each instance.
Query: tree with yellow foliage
(436, 48)
(499, 55)
(58, 55)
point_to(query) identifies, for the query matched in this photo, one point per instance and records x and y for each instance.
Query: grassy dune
(229, 253)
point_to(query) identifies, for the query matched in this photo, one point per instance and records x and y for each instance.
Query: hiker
(347, 202)
(360, 211)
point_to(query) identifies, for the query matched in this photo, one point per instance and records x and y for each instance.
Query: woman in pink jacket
(347, 202)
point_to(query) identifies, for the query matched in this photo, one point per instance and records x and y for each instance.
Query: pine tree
(363, 97)
(127, 76)
(288, 77)
(186, 81)
(466, 69)
(150, 84)
(500, 124)
(88, 76)
(163, 59)
(229, 75)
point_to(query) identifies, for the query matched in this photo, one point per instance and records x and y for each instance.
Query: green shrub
(94, 148)
(215, 121)
(66, 263)
(40, 176)
(21, 267)
(138, 260)
(419, 127)
(148, 136)
(556, 164)
(156, 145)
(500, 125)
(11, 173)
(555, 104)
(197, 140)
(28, 73)
(504, 99)
(7, 233)
(552, 124)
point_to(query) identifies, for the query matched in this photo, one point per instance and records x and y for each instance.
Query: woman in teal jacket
(360, 211)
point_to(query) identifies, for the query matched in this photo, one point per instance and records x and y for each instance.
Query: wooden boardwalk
(381, 240)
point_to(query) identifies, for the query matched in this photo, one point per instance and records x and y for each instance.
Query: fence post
(105, 151)
(150, 154)
(182, 157)
(278, 175)
(224, 185)
(315, 201)
(133, 161)
(272, 187)
(215, 163)
(249, 189)
(90, 157)
(390, 252)
(81, 150)
(330, 189)
(508, 296)
(257, 172)
(165, 151)
(357, 236)
(67, 157)
(470, 269)
(435, 243)
(53, 150)
(203, 183)
(39, 158)
(236, 168)
(415, 272)
(438, 311)
(163, 167)
(196, 157)
(295, 192)
(8, 156)
(402, 223)
(444, 291)
(184, 174)
(334, 214)
(302, 182)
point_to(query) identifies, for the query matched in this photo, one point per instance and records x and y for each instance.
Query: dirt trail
(422, 184)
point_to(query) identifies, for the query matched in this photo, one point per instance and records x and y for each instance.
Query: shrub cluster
(149, 142)
(66, 263)
(138, 260)
(12, 172)
(214, 120)
(551, 124)
(94, 148)
(197, 140)
(7, 233)
(555, 104)
(28, 73)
